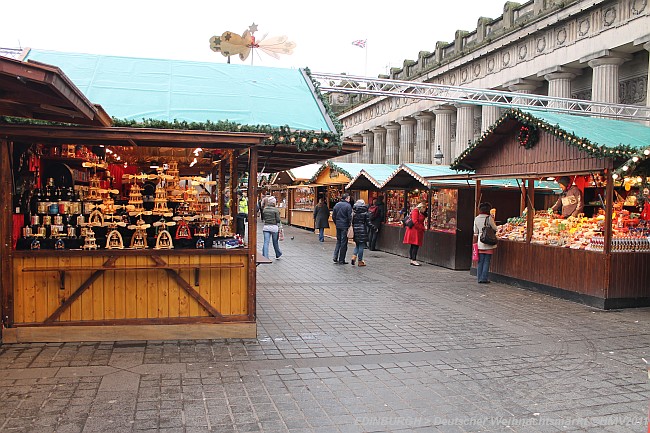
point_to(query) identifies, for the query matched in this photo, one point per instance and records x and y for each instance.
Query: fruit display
(630, 233)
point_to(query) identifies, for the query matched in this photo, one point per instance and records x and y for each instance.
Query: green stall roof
(167, 90)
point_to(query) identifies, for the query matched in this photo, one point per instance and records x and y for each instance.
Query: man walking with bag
(342, 217)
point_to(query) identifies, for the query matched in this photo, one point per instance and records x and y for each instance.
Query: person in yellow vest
(242, 214)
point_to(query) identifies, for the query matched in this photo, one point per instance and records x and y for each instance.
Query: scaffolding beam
(382, 87)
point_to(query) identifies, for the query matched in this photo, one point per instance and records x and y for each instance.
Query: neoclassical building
(584, 49)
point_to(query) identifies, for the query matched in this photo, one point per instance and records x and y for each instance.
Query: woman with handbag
(271, 228)
(414, 234)
(483, 225)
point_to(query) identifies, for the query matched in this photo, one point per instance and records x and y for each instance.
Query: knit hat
(564, 180)
(272, 200)
(421, 206)
(360, 202)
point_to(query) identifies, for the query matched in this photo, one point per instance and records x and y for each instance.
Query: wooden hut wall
(508, 158)
(134, 292)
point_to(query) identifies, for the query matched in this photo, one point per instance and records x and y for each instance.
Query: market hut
(89, 289)
(450, 197)
(600, 258)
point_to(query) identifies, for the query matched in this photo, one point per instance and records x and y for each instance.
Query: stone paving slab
(385, 348)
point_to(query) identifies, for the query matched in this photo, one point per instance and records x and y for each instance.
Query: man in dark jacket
(342, 217)
(377, 218)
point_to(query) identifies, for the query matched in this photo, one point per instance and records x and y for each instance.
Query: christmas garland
(528, 136)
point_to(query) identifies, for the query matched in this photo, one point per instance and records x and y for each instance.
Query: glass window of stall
(416, 196)
(394, 206)
(444, 206)
(303, 198)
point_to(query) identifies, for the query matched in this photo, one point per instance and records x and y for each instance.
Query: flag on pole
(361, 43)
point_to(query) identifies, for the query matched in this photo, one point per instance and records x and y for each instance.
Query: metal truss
(350, 84)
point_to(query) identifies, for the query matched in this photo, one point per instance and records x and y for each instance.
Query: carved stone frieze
(583, 27)
(523, 51)
(633, 91)
(560, 36)
(582, 94)
(638, 6)
(541, 44)
(609, 16)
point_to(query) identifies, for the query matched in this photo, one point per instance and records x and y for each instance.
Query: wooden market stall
(584, 258)
(450, 197)
(83, 260)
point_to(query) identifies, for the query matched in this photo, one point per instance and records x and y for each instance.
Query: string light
(193, 162)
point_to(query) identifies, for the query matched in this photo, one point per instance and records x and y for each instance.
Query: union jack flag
(361, 43)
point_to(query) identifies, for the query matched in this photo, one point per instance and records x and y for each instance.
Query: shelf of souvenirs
(143, 231)
(630, 232)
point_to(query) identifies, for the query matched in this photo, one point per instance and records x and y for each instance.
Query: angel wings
(232, 44)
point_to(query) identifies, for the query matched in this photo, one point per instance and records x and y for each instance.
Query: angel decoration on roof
(232, 44)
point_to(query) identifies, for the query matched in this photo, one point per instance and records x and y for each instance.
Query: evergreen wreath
(528, 136)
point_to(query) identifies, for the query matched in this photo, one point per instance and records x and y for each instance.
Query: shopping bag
(475, 252)
(350, 232)
(281, 234)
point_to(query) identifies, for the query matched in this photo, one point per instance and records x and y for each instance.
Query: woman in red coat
(415, 235)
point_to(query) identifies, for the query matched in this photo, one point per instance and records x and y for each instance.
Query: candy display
(630, 233)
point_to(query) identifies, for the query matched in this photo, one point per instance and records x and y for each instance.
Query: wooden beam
(222, 188)
(234, 181)
(80, 290)
(193, 293)
(530, 190)
(252, 234)
(6, 234)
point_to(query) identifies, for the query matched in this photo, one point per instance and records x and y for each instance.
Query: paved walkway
(388, 347)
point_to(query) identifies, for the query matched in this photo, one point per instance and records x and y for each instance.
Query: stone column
(423, 152)
(464, 127)
(406, 140)
(647, 98)
(392, 143)
(379, 150)
(522, 86)
(489, 116)
(356, 157)
(604, 84)
(443, 133)
(559, 83)
(368, 149)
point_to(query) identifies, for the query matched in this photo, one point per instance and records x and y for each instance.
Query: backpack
(373, 210)
(488, 234)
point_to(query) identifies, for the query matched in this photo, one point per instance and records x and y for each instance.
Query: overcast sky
(323, 31)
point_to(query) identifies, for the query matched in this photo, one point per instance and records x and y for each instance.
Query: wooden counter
(302, 218)
(619, 280)
(55, 290)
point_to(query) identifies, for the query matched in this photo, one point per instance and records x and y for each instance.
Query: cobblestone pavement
(388, 347)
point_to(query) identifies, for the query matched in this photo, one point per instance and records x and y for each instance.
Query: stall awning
(161, 89)
(567, 144)
(43, 92)
(371, 176)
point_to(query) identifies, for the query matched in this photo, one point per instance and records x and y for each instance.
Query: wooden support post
(252, 234)
(222, 188)
(522, 202)
(6, 234)
(530, 199)
(477, 196)
(609, 210)
(234, 181)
